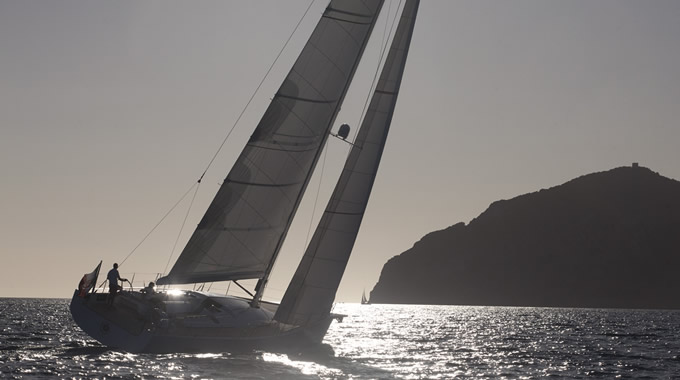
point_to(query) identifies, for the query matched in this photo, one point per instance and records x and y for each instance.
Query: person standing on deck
(113, 276)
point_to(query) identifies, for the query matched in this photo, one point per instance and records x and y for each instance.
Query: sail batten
(265, 185)
(309, 100)
(311, 292)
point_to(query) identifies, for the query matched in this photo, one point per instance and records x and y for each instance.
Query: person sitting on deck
(113, 276)
(150, 294)
(149, 290)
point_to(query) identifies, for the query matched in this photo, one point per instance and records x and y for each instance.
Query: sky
(110, 111)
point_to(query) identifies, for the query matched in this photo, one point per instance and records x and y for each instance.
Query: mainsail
(310, 295)
(244, 227)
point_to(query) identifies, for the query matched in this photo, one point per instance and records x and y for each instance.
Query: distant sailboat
(244, 227)
(364, 300)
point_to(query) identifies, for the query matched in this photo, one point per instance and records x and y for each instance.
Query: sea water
(39, 340)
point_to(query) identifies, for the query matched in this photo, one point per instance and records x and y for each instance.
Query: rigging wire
(159, 222)
(316, 199)
(181, 228)
(256, 89)
(377, 69)
(197, 184)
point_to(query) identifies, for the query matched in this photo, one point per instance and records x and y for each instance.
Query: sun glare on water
(305, 367)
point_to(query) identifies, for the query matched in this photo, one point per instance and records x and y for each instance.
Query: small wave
(463, 349)
(629, 335)
(39, 348)
(91, 350)
(35, 339)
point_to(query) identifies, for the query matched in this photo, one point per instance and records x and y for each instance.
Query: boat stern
(110, 325)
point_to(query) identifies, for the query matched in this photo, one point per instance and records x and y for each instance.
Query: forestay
(244, 227)
(310, 295)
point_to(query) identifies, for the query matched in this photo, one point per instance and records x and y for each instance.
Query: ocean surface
(40, 340)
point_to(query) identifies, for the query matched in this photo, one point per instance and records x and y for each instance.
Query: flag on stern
(88, 281)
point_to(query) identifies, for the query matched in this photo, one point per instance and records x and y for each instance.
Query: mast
(311, 292)
(242, 230)
(335, 13)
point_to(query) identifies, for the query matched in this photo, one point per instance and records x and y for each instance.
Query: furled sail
(310, 295)
(244, 227)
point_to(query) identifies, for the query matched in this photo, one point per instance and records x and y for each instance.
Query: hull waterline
(190, 322)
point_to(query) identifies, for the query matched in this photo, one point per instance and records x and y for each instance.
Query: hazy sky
(110, 110)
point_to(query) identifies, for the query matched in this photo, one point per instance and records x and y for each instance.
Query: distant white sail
(310, 295)
(244, 227)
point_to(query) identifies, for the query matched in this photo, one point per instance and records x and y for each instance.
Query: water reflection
(447, 341)
(39, 339)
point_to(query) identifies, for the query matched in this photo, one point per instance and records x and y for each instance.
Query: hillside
(608, 239)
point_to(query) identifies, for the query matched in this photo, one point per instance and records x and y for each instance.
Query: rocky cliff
(609, 239)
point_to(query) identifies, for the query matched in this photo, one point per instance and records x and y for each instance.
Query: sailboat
(364, 300)
(243, 229)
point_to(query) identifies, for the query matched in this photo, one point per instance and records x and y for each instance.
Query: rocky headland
(608, 239)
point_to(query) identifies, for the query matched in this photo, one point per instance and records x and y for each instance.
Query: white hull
(189, 322)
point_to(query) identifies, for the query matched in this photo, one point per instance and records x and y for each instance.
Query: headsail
(312, 290)
(244, 227)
